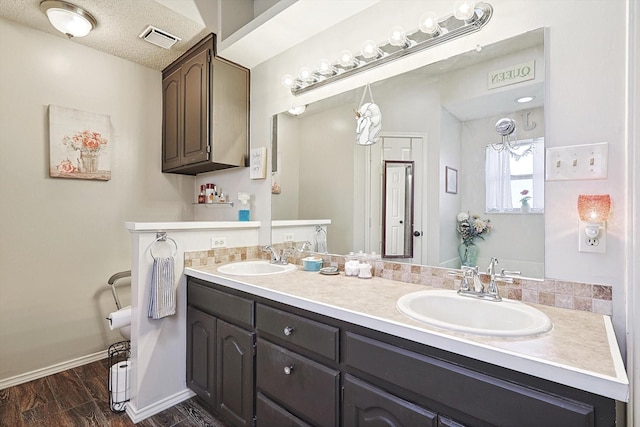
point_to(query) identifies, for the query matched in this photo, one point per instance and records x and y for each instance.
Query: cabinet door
(195, 87)
(305, 388)
(201, 346)
(235, 385)
(171, 122)
(269, 414)
(368, 406)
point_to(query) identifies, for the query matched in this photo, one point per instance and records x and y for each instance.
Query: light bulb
(429, 23)
(371, 50)
(326, 68)
(464, 9)
(397, 37)
(287, 81)
(346, 59)
(305, 74)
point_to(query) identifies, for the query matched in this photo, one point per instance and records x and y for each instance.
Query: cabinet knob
(288, 370)
(288, 330)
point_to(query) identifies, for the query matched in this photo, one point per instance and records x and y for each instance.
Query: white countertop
(189, 225)
(581, 351)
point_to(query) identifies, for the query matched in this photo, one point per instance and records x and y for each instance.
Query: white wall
(61, 239)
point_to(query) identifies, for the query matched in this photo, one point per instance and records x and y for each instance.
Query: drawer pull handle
(288, 330)
(288, 370)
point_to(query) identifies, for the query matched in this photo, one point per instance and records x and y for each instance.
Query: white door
(394, 146)
(395, 209)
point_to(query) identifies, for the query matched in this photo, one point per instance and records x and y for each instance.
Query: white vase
(524, 208)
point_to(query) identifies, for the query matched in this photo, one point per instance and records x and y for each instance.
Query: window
(508, 174)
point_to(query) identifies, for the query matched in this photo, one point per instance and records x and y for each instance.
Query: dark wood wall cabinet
(205, 112)
(259, 362)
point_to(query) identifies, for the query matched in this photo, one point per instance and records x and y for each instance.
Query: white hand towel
(162, 295)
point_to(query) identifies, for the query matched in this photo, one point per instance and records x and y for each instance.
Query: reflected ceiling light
(428, 23)
(464, 10)
(525, 99)
(296, 110)
(371, 50)
(397, 37)
(431, 32)
(68, 18)
(506, 128)
(593, 210)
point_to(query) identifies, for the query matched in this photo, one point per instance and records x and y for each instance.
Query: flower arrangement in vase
(90, 144)
(469, 228)
(524, 202)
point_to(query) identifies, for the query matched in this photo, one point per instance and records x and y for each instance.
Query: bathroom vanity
(334, 351)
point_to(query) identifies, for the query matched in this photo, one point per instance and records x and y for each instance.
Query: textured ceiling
(119, 24)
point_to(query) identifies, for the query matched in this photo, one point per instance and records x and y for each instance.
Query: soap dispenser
(244, 211)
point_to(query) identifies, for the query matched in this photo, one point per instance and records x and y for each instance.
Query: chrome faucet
(471, 285)
(493, 286)
(275, 256)
(305, 245)
(281, 257)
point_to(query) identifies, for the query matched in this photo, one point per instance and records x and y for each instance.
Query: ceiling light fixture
(431, 32)
(525, 99)
(68, 18)
(296, 110)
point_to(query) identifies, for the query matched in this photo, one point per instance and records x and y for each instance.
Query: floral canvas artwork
(80, 144)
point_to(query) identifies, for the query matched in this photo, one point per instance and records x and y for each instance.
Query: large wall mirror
(440, 119)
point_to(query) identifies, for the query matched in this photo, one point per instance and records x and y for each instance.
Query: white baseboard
(136, 415)
(53, 369)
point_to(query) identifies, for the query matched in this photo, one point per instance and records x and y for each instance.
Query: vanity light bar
(450, 28)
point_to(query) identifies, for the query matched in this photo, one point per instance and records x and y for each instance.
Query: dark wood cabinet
(234, 369)
(205, 112)
(314, 370)
(304, 387)
(220, 354)
(201, 347)
(369, 406)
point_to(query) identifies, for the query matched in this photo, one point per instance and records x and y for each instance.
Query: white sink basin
(446, 309)
(255, 268)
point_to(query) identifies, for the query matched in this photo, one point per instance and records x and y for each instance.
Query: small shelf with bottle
(230, 204)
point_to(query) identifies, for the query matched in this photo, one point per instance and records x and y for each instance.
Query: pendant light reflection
(506, 128)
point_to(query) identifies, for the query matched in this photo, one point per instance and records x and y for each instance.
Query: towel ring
(162, 237)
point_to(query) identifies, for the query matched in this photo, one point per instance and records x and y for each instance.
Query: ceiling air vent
(159, 37)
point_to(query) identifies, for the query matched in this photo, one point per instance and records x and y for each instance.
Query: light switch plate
(577, 162)
(288, 237)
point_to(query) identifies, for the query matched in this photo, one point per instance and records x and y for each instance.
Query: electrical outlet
(218, 242)
(597, 245)
(288, 237)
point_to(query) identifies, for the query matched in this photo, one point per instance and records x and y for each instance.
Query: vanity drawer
(292, 329)
(306, 388)
(228, 307)
(451, 385)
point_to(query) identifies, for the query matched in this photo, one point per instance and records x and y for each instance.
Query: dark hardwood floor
(80, 397)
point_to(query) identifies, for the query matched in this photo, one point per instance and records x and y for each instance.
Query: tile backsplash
(596, 298)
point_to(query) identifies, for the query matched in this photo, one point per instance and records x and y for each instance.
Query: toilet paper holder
(119, 375)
